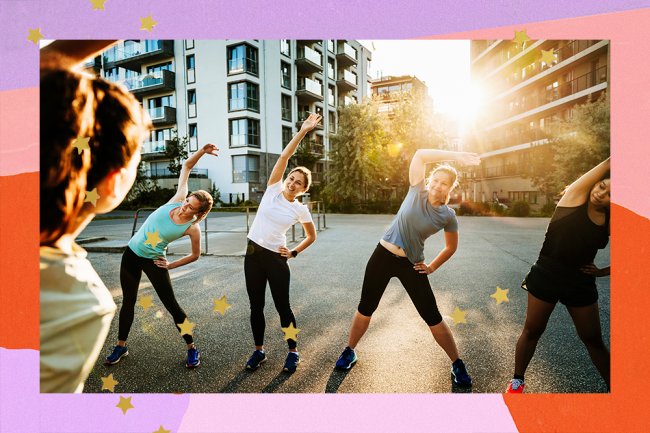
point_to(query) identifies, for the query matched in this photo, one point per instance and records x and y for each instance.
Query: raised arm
(423, 157)
(576, 193)
(283, 160)
(181, 192)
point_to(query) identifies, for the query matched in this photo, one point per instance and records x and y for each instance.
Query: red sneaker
(516, 386)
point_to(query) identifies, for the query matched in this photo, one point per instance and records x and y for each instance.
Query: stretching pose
(400, 254)
(146, 253)
(91, 134)
(565, 272)
(267, 254)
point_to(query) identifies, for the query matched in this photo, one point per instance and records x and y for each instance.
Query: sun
(471, 104)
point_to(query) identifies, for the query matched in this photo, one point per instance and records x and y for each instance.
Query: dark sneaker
(292, 361)
(461, 377)
(255, 360)
(118, 353)
(347, 359)
(516, 386)
(193, 358)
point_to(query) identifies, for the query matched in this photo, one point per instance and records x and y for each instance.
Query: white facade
(219, 87)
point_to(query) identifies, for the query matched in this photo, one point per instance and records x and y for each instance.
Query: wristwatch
(294, 253)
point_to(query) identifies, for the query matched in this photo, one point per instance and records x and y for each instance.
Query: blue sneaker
(118, 353)
(257, 358)
(347, 359)
(461, 377)
(291, 363)
(193, 358)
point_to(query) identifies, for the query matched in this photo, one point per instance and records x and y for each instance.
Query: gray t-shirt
(416, 220)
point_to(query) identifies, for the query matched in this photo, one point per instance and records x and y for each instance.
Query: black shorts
(552, 284)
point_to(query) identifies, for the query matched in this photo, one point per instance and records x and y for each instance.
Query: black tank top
(572, 238)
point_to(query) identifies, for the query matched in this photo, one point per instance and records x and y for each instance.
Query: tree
(358, 162)
(176, 151)
(306, 154)
(576, 146)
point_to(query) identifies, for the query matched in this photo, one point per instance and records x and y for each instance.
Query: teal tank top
(158, 230)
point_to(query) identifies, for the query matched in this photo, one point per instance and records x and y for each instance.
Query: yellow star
(162, 430)
(147, 23)
(500, 295)
(92, 196)
(35, 35)
(98, 4)
(109, 383)
(186, 327)
(153, 239)
(521, 37)
(146, 302)
(221, 305)
(125, 404)
(81, 143)
(458, 316)
(291, 333)
(548, 57)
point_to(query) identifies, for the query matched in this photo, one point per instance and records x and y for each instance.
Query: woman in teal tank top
(146, 253)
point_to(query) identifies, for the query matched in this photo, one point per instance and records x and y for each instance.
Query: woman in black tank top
(565, 271)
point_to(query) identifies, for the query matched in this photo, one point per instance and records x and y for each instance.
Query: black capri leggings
(384, 265)
(262, 265)
(130, 273)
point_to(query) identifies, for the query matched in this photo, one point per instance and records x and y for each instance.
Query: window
(285, 47)
(189, 44)
(191, 103)
(330, 69)
(191, 75)
(167, 66)
(244, 132)
(331, 46)
(194, 137)
(156, 106)
(286, 107)
(111, 74)
(330, 96)
(243, 96)
(242, 58)
(287, 134)
(286, 75)
(245, 168)
(527, 196)
(332, 121)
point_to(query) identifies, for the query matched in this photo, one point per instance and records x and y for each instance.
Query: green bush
(520, 209)
(547, 210)
(152, 198)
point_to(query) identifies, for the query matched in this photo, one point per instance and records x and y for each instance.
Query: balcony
(154, 149)
(145, 84)
(309, 90)
(135, 55)
(346, 55)
(347, 81)
(161, 116)
(94, 65)
(165, 173)
(302, 116)
(309, 60)
(545, 96)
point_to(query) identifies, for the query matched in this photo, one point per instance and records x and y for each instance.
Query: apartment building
(390, 90)
(249, 97)
(525, 99)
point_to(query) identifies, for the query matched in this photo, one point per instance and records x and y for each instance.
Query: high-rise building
(249, 97)
(526, 97)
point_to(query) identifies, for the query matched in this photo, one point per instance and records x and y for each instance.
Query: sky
(444, 66)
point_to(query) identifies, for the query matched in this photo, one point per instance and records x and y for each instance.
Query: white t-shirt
(76, 314)
(275, 216)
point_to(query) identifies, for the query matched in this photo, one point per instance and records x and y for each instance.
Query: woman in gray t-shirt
(400, 253)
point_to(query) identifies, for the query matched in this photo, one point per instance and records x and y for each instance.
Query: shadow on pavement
(457, 389)
(336, 379)
(234, 383)
(276, 382)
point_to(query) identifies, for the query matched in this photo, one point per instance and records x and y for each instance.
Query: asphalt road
(397, 354)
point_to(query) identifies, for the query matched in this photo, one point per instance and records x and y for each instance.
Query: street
(397, 354)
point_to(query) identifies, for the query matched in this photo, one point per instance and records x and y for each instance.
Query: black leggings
(384, 265)
(130, 273)
(262, 265)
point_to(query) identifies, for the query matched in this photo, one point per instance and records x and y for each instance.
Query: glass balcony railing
(350, 77)
(158, 146)
(347, 49)
(310, 86)
(158, 113)
(160, 173)
(147, 80)
(137, 49)
(307, 53)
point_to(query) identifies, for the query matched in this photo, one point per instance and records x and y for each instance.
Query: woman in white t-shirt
(267, 254)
